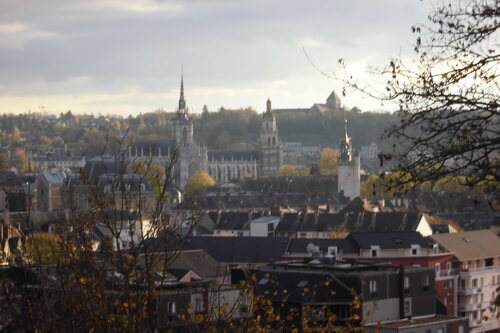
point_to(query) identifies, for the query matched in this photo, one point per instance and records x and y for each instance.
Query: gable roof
(470, 245)
(345, 246)
(388, 240)
(239, 249)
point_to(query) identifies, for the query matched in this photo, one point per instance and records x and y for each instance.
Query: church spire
(182, 101)
(345, 145)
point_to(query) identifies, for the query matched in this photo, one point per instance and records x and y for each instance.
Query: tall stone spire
(345, 145)
(182, 101)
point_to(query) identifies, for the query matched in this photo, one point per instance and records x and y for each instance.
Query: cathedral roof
(230, 155)
(153, 147)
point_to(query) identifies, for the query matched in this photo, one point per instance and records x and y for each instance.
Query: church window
(184, 134)
(268, 141)
(274, 140)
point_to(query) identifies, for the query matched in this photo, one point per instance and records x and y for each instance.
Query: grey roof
(349, 222)
(388, 240)
(153, 147)
(9, 178)
(103, 165)
(232, 220)
(233, 155)
(262, 201)
(235, 249)
(345, 246)
(56, 178)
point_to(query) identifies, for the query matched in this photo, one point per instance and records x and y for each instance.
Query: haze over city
(125, 57)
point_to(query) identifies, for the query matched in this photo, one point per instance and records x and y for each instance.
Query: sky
(125, 56)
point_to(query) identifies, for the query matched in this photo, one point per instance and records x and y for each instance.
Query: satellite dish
(311, 248)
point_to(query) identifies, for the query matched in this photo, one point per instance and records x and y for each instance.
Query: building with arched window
(222, 166)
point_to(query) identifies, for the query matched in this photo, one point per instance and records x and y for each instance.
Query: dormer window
(374, 251)
(414, 249)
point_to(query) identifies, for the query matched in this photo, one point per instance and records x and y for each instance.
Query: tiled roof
(470, 245)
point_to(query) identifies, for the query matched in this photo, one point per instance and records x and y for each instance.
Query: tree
(287, 170)
(448, 95)
(24, 161)
(198, 182)
(16, 136)
(328, 161)
(4, 162)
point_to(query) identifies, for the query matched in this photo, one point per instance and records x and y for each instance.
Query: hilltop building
(222, 166)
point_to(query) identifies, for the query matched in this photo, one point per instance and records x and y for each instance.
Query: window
(374, 250)
(407, 283)
(462, 284)
(171, 307)
(440, 330)
(373, 288)
(448, 266)
(474, 283)
(461, 329)
(481, 282)
(407, 307)
(438, 268)
(414, 251)
(426, 282)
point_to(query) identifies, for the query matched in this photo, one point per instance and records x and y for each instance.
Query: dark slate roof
(232, 220)
(262, 201)
(103, 165)
(474, 220)
(239, 249)
(153, 147)
(320, 286)
(295, 184)
(388, 240)
(345, 246)
(290, 111)
(230, 155)
(447, 202)
(349, 222)
(9, 178)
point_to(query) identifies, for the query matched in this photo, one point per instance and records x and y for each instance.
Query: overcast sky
(125, 56)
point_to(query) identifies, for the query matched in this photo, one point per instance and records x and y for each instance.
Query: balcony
(475, 322)
(469, 307)
(470, 291)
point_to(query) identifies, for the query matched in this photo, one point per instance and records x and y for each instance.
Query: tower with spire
(348, 167)
(269, 144)
(191, 156)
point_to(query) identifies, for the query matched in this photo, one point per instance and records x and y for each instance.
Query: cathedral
(222, 166)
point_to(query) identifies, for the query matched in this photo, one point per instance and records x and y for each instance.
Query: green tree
(4, 162)
(198, 182)
(16, 136)
(287, 170)
(328, 162)
(451, 184)
(42, 248)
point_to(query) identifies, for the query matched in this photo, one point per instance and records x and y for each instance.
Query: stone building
(348, 168)
(269, 145)
(222, 166)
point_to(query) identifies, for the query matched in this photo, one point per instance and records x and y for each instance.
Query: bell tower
(348, 168)
(269, 145)
(183, 126)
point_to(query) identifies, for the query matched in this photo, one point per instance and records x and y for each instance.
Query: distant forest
(219, 130)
